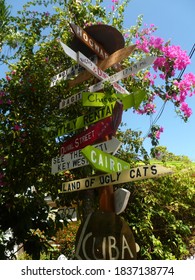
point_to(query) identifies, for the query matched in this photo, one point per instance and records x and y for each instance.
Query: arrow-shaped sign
(68, 73)
(85, 120)
(98, 131)
(103, 161)
(97, 72)
(125, 176)
(90, 66)
(113, 59)
(125, 73)
(120, 75)
(89, 41)
(76, 159)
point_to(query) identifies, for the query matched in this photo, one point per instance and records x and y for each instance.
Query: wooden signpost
(125, 176)
(102, 161)
(115, 240)
(89, 41)
(76, 159)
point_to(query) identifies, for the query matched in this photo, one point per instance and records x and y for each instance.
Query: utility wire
(190, 56)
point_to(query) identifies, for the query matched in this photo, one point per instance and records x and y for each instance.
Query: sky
(175, 21)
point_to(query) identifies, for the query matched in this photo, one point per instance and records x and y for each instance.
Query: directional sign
(120, 177)
(89, 65)
(97, 72)
(103, 65)
(89, 41)
(105, 236)
(124, 73)
(68, 73)
(85, 120)
(120, 75)
(76, 159)
(99, 99)
(103, 161)
(98, 131)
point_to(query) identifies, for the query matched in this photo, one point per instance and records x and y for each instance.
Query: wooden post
(106, 196)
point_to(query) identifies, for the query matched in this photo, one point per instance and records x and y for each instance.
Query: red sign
(97, 131)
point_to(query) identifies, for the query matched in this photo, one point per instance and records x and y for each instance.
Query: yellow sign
(125, 176)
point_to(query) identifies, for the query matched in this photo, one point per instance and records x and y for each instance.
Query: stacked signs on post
(90, 147)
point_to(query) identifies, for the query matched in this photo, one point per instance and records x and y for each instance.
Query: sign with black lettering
(133, 174)
(75, 159)
(105, 236)
(85, 120)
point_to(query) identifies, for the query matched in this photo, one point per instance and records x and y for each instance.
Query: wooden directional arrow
(103, 65)
(97, 72)
(89, 41)
(85, 120)
(76, 159)
(124, 73)
(125, 176)
(98, 131)
(103, 161)
(69, 73)
(89, 65)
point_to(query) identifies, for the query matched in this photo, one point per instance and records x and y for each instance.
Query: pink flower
(16, 127)
(186, 110)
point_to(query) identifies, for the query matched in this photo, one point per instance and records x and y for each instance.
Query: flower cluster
(170, 59)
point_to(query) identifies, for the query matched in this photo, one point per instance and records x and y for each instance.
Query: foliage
(161, 214)
(29, 113)
(66, 239)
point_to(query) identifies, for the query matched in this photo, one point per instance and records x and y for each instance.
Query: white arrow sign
(76, 159)
(124, 73)
(97, 72)
(68, 73)
(90, 66)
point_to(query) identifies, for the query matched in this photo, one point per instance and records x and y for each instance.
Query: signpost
(125, 176)
(76, 159)
(113, 241)
(102, 161)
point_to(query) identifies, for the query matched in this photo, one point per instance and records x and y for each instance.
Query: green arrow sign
(103, 161)
(99, 99)
(82, 121)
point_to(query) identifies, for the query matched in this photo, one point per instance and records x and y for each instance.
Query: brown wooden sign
(113, 59)
(105, 236)
(89, 41)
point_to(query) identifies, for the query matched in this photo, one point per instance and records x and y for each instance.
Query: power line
(190, 56)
